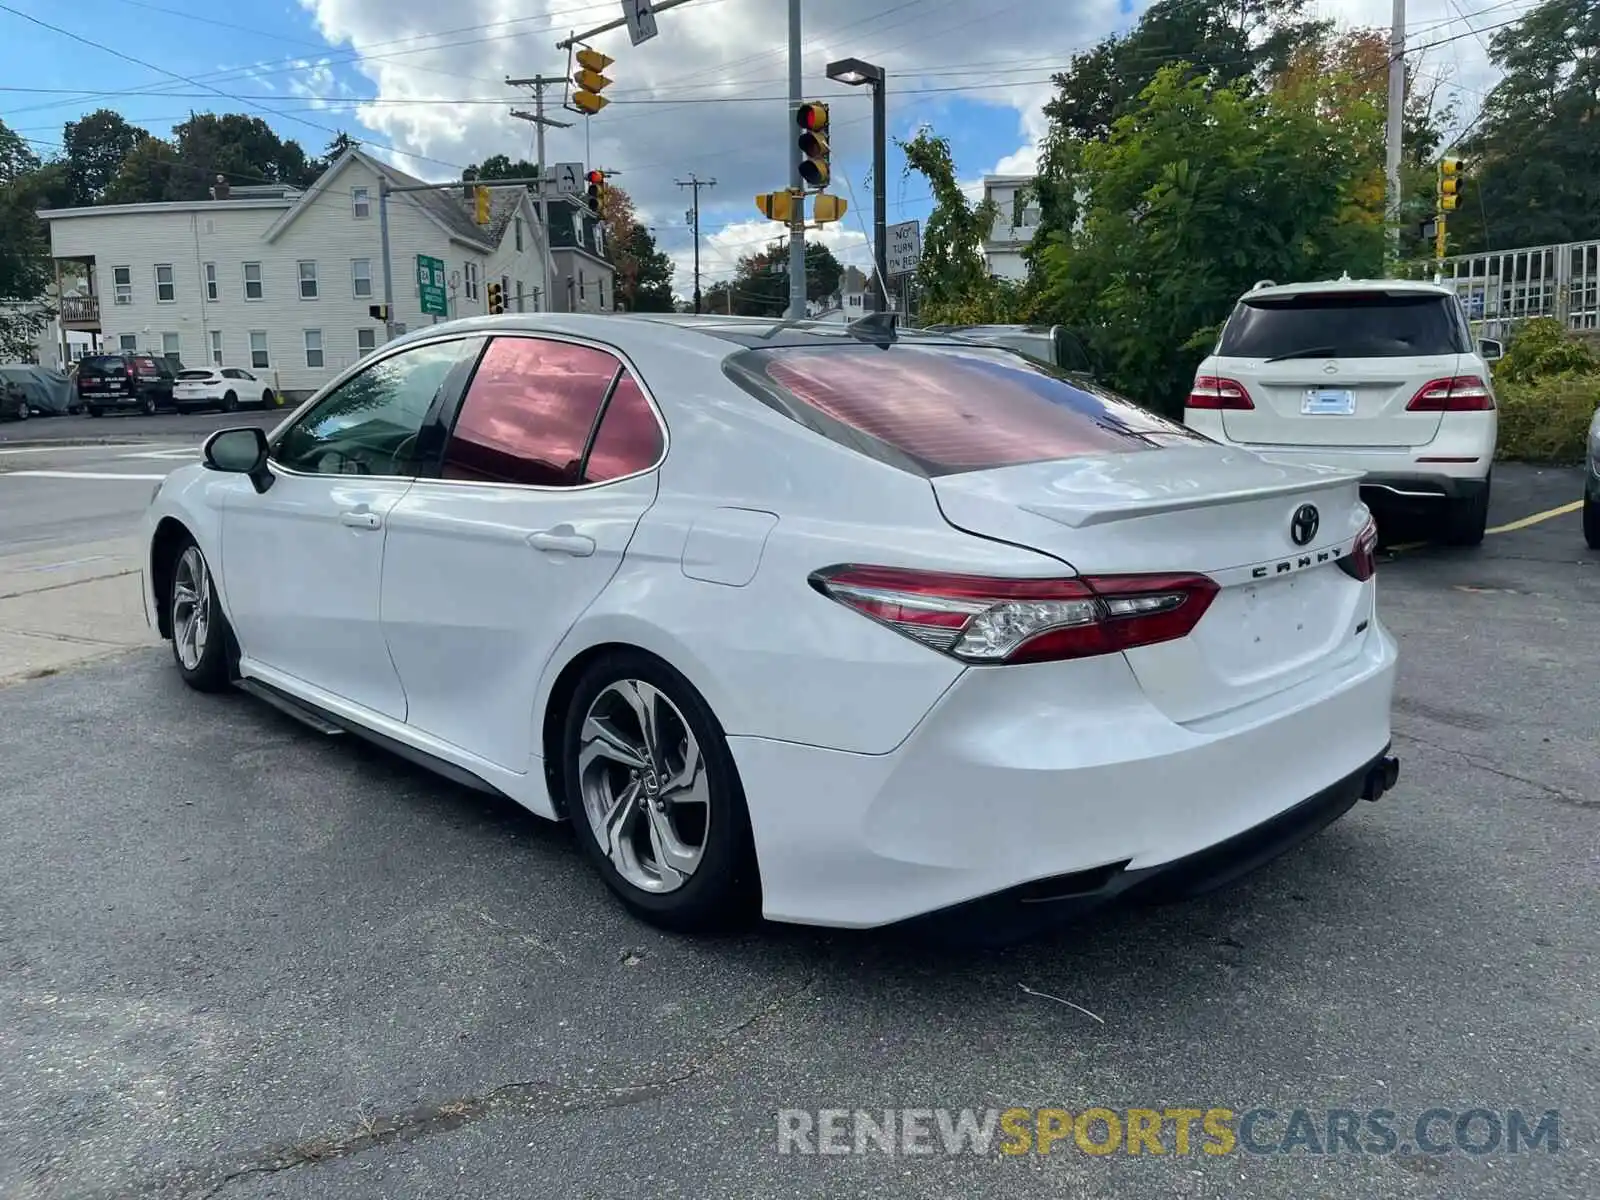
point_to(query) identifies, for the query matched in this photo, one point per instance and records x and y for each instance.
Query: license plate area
(1328, 402)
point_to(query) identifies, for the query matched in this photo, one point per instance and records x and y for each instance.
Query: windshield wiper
(1303, 352)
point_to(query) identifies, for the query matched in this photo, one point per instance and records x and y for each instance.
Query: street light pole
(797, 224)
(855, 72)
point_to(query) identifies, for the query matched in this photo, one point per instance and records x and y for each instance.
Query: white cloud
(449, 102)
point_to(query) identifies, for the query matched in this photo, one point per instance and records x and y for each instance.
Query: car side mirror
(239, 452)
(1491, 350)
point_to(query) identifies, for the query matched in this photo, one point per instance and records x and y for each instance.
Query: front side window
(361, 277)
(938, 409)
(528, 413)
(369, 424)
(360, 203)
(314, 348)
(211, 281)
(308, 281)
(166, 289)
(258, 349)
(253, 289)
(1343, 325)
(122, 285)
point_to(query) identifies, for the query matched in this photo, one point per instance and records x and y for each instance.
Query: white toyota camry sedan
(843, 625)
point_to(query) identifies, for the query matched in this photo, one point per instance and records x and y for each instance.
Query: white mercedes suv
(1380, 376)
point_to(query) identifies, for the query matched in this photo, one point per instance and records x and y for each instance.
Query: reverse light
(1213, 391)
(979, 619)
(1462, 393)
(1362, 561)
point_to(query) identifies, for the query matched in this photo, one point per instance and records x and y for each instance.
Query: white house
(281, 280)
(1011, 232)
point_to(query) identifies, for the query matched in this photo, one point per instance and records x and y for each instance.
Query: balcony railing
(80, 308)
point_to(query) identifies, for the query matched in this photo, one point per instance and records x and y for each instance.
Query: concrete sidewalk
(62, 607)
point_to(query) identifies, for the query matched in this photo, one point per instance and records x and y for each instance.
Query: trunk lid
(1284, 612)
(1349, 402)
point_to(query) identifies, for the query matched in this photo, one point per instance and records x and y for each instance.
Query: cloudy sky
(706, 97)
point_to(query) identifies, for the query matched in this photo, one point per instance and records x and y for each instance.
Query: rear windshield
(194, 374)
(1344, 325)
(940, 409)
(107, 362)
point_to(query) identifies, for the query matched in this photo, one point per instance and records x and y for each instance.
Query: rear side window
(629, 438)
(529, 412)
(943, 409)
(1343, 325)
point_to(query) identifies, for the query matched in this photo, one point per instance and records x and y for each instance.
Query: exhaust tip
(1385, 773)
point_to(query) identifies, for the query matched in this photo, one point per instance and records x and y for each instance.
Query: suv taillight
(1362, 561)
(1213, 391)
(1462, 393)
(980, 619)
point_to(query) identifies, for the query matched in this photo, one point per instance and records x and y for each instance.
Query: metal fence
(1505, 287)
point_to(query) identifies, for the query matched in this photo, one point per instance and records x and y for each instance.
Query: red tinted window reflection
(629, 439)
(528, 412)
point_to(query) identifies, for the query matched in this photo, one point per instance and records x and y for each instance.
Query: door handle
(360, 519)
(562, 540)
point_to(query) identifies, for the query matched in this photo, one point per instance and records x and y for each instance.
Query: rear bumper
(1027, 774)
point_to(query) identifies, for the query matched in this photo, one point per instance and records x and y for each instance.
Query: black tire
(723, 892)
(211, 671)
(1466, 519)
(92, 410)
(24, 412)
(266, 399)
(230, 403)
(1591, 520)
(149, 407)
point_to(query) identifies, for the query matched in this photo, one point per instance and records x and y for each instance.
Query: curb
(45, 443)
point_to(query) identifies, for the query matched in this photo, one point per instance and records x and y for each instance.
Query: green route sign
(430, 286)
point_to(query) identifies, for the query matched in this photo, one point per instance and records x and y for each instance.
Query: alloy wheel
(644, 786)
(191, 608)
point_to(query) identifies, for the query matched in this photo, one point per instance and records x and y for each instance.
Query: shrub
(1547, 420)
(1542, 348)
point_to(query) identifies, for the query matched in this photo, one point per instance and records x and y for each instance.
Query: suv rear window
(1344, 325)
(940, 409)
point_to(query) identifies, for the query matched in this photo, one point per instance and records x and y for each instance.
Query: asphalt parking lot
(244, 961)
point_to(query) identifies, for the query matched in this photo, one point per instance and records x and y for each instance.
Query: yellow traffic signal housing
(480, 200)
(497, 298)
(1449, 184)
(776, 206)
(830, 208)
(815, 165)
(591, 81)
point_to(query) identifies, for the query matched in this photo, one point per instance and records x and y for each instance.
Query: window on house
(128, 341)
(253, 289)
(166, 289)
(122, 285)
(517, 225)
(580, 284)
(314, 348)
(170, 345)
(600, 290)
(519, 296)
(212, 291)
(470, 276)
(361, 277)
(308, 281)
(258, 349)
(216, 347)
(360, 203)
(366, 340)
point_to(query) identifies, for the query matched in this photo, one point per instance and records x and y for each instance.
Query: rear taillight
(984, 620)
(1362, 561)
(1213, 391)
(1463, 393)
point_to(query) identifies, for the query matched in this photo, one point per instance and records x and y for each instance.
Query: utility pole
(695, 182)
(538, 83)
(1397, 113)
(797, 222)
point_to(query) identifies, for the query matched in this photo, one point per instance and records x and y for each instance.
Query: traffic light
(1449, 184)
(813, 121)
(590, 80)
(480, 201)
(597, 188)
(497, 298)
(776, 206)
(829, 208)
(378, 312)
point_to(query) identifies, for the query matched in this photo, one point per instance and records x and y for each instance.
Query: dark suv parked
(126, 382)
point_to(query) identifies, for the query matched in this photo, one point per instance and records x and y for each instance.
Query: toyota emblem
(1303, 525)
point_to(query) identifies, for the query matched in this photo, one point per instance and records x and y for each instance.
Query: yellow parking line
(1513, 526)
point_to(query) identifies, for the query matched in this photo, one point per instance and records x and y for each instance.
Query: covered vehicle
(48, 392)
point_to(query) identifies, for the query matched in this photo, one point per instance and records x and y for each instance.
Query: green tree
(760, 285)
(243, 149)
(1196, 194)
(1534, 162)
(151, 172)
(500, 166)
(95, 148)
(649, 288)
(24, 247)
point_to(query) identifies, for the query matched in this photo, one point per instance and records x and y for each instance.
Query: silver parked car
(1591, 486)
